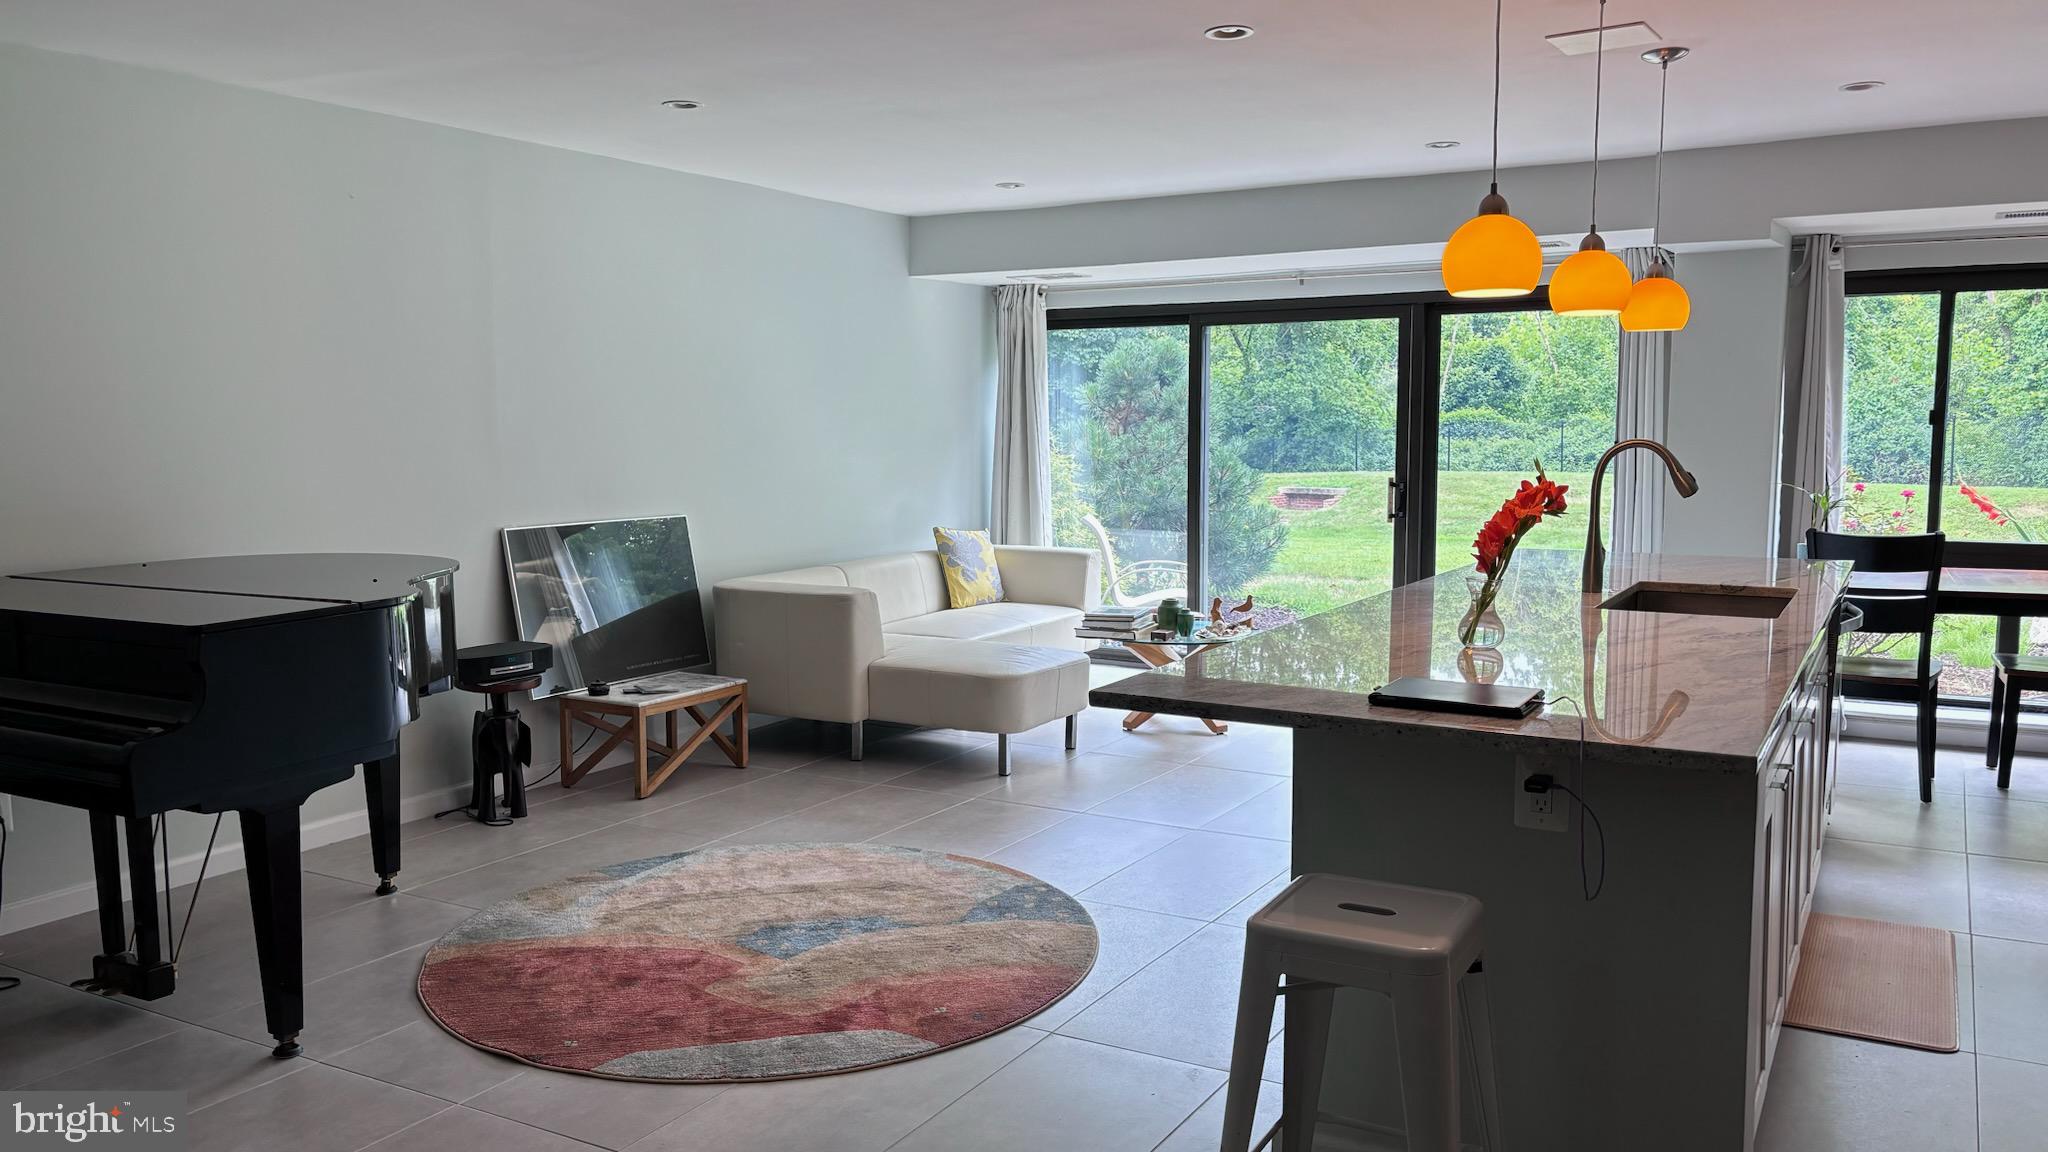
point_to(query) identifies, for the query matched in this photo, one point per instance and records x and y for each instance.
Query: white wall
(1726, 385)
(237, 322)
(1947, 254)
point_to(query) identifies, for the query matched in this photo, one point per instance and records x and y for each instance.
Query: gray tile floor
(1170, 836)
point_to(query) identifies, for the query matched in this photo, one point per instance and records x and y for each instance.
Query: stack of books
(1116, 623)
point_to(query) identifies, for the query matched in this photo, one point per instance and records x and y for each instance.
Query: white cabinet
(1794, 785)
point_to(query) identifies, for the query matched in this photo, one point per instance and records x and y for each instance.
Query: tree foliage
(1998, 388)
(1303, 397)
(1120, 420)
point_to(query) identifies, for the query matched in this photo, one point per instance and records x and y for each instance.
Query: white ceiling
(921, 106)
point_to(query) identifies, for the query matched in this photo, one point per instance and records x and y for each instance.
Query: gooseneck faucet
(1592, 577)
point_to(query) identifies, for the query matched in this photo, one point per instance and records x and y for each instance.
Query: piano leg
(270, 844)
(143, 973)
(142, 891)
(380, 785)
(106, 870)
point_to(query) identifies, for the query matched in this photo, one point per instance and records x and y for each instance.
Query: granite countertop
(1669, 688)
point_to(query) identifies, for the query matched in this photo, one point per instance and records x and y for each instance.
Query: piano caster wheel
(287, 1048)
(385, 887)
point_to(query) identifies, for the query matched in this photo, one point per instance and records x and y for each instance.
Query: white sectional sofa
(876, 639)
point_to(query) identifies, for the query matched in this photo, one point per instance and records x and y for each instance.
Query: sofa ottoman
(978, 686)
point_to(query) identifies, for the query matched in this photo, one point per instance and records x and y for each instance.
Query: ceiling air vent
(1034, 276)
(1556, 245)
(1584, 41)
(2025, 214)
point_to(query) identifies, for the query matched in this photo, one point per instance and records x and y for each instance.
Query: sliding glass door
(1301, 435)
(1306, 454)
(1516, 386)
(1119, 454)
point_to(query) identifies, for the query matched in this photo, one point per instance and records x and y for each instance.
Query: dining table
(2008, 594)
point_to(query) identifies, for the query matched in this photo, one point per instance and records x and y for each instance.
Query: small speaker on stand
(501, 745)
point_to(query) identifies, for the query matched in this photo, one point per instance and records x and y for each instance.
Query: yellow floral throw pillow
(969, 559)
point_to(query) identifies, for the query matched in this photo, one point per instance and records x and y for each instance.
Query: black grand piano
(229, 684)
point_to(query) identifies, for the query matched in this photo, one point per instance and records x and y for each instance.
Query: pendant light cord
(1495, 176)
(1599, 65)
(1663, 101)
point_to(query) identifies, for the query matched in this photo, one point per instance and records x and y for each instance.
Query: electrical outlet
(1543, 811)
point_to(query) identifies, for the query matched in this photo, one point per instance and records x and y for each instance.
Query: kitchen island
(1647, 1016)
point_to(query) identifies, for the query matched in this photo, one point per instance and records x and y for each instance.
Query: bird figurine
(1246, 607)
(1216, 610)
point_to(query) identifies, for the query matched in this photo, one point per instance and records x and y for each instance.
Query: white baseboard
(1954, 727)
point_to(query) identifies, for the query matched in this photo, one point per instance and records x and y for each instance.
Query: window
(1292, 451)
(1301, 443)
(1520, 386)
(1888, 352)
(1119, 399)
(1945, 417)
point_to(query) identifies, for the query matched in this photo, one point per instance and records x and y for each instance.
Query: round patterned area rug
(758, 962)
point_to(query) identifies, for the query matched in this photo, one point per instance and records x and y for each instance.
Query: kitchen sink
(1763, 602)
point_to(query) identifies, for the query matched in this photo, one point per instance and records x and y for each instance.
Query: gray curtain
(1642, 401)
(1022, 491)
(1812, 405)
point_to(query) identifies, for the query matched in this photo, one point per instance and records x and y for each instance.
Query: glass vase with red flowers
(1530, 505)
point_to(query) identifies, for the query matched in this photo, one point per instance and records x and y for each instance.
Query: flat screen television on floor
(617, 599)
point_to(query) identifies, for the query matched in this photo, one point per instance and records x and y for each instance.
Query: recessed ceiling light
(1862, 86)
(681, 105)
(1229, 32)
(1442, 144)
(1006, 184)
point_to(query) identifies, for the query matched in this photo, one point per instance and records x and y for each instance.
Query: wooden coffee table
(624, 714)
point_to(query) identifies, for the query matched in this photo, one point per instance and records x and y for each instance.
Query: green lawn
(1344, 553)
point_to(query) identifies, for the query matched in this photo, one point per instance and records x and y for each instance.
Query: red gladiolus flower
(1523, 510)
(1907, 493)
(1859, 486)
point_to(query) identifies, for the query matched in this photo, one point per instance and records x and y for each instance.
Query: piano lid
(204, 611)
(362, 578)
(224, 591)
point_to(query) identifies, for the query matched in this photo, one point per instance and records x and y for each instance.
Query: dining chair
(1892, 613)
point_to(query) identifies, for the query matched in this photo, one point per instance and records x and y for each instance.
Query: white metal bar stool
(1418, 946)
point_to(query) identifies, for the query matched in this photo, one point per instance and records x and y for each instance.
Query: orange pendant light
(1658, 303)
(1493, 254)
(1592, 281)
